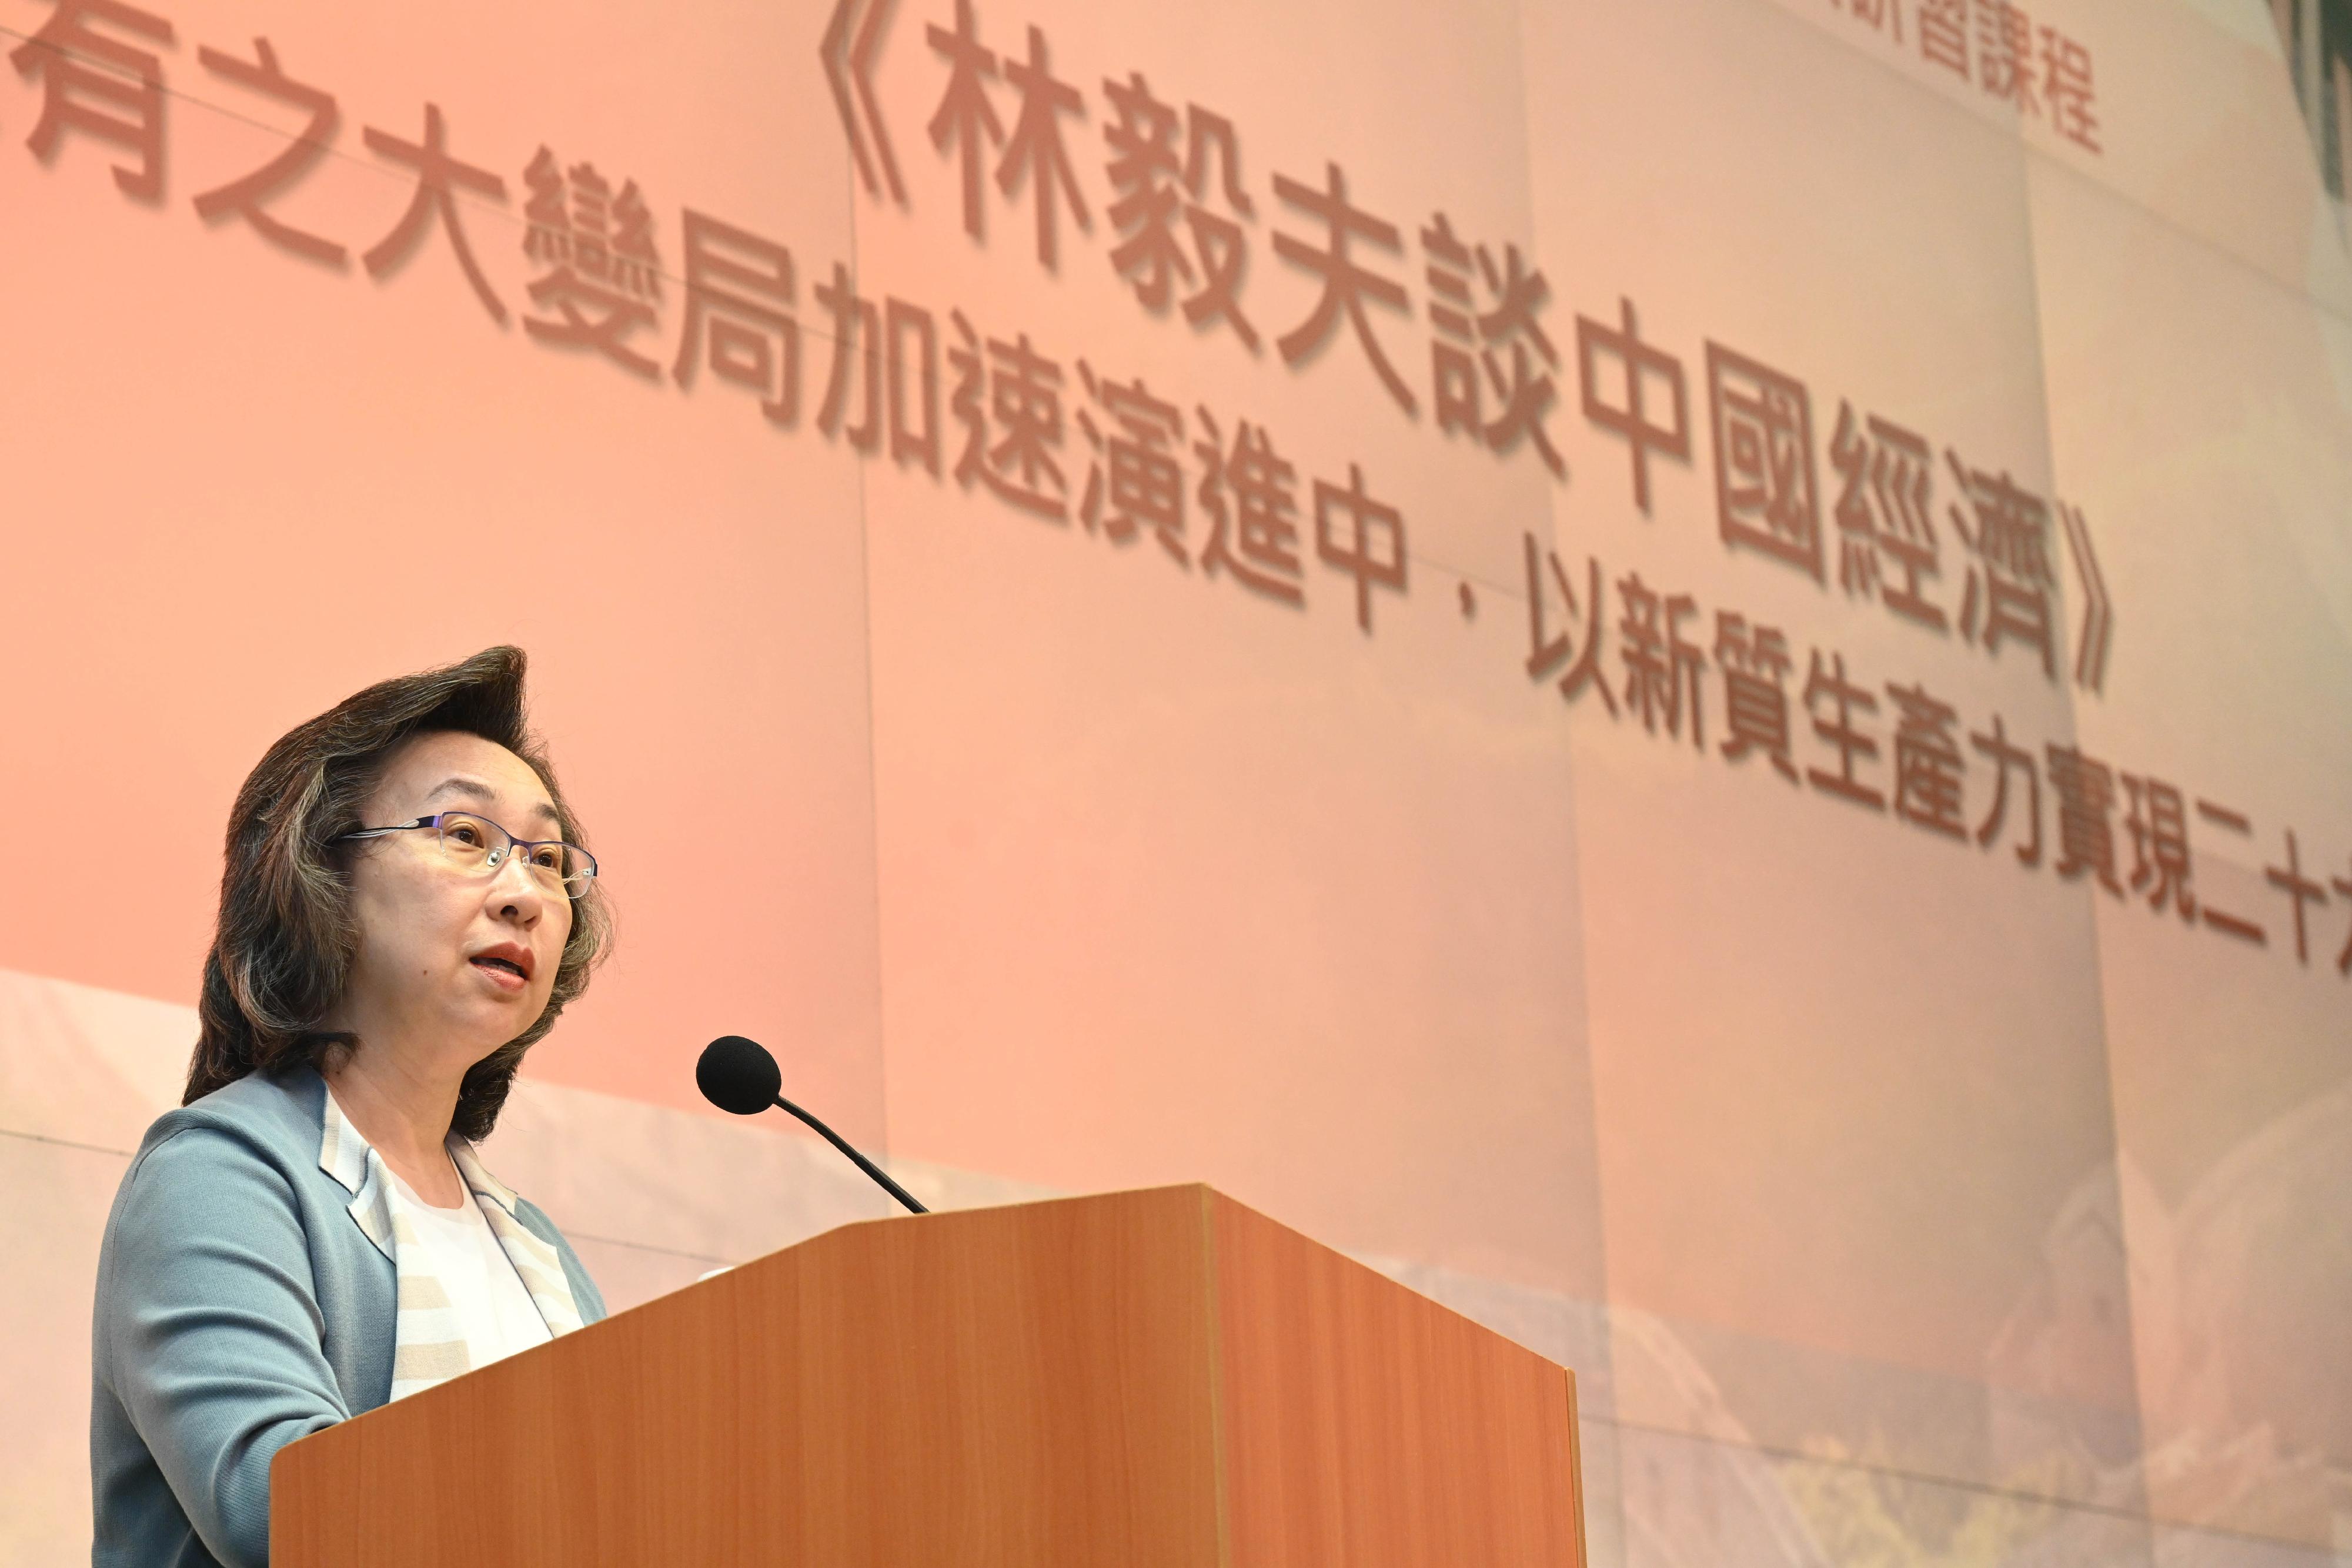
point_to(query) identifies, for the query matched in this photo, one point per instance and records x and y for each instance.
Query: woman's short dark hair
(287, 936)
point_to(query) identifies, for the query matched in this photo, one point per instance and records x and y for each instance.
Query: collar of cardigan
(354, 1165)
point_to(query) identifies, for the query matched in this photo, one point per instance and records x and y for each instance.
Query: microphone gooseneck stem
(868, 1166)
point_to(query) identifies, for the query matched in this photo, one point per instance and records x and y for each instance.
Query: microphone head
(739, 1075)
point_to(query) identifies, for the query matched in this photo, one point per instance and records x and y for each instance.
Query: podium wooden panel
(1150, 1378)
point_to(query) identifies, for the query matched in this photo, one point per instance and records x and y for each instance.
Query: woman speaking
(405, 909)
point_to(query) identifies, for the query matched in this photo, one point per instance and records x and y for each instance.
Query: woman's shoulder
(226, 1173)
(273, 1118)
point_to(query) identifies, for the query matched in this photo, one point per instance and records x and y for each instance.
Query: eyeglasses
(477, 844)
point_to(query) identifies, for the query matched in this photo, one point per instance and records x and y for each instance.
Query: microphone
(739, 1075)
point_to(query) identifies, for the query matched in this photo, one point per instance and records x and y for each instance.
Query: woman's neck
(404, 1115)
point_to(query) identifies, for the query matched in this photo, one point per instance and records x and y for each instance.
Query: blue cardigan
(240, 1306)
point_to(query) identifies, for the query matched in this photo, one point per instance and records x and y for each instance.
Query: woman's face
(452, 959)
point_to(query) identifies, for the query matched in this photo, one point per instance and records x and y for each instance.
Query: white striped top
(489, 1307)
(433, 1336)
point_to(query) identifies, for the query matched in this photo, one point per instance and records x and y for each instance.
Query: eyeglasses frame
(496, 858)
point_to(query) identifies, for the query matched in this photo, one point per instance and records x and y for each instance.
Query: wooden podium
(1142, 1378)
